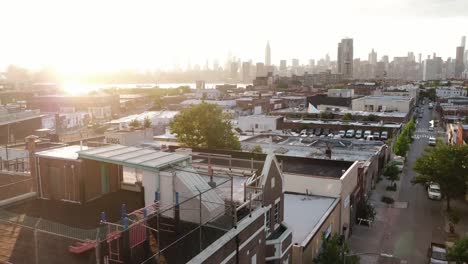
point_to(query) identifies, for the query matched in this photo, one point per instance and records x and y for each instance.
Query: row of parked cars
(350, 133)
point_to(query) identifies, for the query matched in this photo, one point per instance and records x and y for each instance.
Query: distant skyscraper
(234, 70)
(246, 72)
(261, 71)
(295, 63)
(345, 58)
(419, 58)
(432, 69)
(373, 57)
(411, 57)
(268, 54)
(463, 41)
(459, 63)
(283, 67)
(312, 63)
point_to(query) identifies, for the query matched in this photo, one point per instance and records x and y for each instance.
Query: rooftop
(152, 115)
(342, 149)
(385, 98)
(350, 123)
(314, 167)
(67, 152)
(133, 157)
(304, 214)
(260, 117)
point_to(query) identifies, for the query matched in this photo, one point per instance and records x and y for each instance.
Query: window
(254, 259)
(272, 182)
(256, 125)
(268, 220)
(277, 209)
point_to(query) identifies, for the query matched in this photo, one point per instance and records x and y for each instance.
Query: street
(406, 229)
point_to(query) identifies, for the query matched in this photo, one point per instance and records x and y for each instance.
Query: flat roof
(384, 97)
(260, 117)
(304, 214)
(341, 122)
(134, 157)
(67, 152)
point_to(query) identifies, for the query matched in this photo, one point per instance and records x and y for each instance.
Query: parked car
(376, 135)
(437, 254)
(310, 131)
(303, 133)
(432, 141)
(433, 191)
(358, 133)
(370, 138)
(431, 129)
(318, 131)
(384, 135)
(350, 133)
(326, 131)
(399, 161)
(367, 133)
(342, 133)
(420, 115)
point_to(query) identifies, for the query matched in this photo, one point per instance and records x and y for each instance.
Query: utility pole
(6, 147)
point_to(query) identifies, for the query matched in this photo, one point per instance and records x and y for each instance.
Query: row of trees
(446, 165)
(135, 123)
(404, 139)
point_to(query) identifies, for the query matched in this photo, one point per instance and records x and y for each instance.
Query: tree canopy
(391, 172)
(446, 165)
(404, 139)
(459, 251)
(147, 122)
(204, 125)
(332, 252)
(348, 116)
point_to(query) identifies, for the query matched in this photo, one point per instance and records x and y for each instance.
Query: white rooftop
(304, 214)
(134, 157)
(68, 152)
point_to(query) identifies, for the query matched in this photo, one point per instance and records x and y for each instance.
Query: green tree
(365, 210)
(402, 145)
(392, 172)
(257, 149)
(326, 115)
(158, 103)
(147, 122)
(348, 116)
(135, 123)
(446, 165)
(333, 250)
(204, 125)
(459, 251)
(371, 118)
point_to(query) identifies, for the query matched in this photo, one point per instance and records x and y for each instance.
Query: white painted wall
(323, 186)
(150, 183)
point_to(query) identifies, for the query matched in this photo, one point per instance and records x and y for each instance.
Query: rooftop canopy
(134, 157)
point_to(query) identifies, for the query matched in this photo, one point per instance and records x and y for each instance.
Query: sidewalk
(373, 239)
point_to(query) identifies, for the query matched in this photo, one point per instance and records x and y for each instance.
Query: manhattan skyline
(83, 37)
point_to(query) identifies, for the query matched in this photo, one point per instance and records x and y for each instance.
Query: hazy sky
(82, 36)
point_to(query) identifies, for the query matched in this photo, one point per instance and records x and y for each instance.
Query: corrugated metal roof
(133, 156)
(195, 183)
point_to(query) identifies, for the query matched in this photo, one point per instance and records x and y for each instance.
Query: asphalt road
(411, 230)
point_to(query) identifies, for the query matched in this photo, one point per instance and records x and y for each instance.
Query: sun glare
(75, 88)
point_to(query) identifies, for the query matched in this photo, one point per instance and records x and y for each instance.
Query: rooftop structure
(133, 157)
(383, 104)
(66, 152)
(305, 214)
(341, 149)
